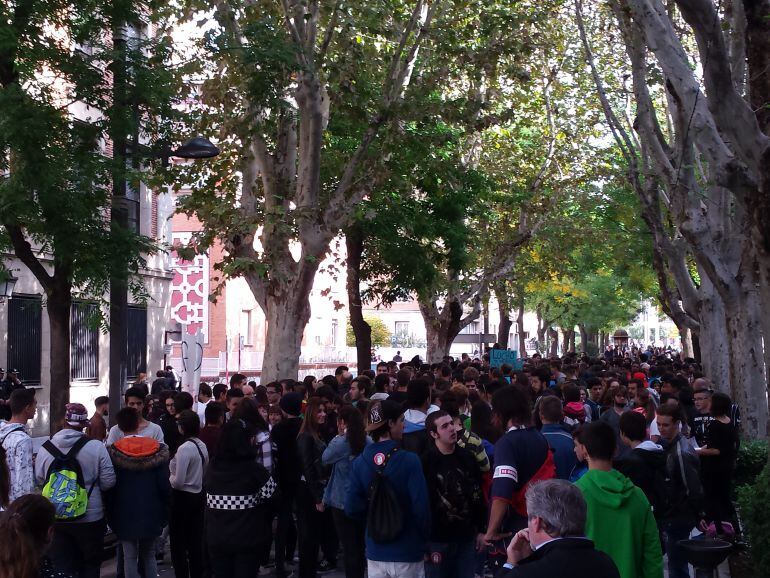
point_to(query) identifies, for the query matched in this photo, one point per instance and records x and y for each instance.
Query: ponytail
(24, 529)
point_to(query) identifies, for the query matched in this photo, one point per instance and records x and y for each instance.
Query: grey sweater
(95, 463)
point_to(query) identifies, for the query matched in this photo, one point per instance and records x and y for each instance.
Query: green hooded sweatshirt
(621, 524)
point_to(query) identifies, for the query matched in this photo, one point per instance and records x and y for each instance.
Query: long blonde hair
(24, 531)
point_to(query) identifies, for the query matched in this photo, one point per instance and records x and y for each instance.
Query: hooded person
(142, 476)
(418, 405)
(77, 544)
(619, 518)
(645, 464)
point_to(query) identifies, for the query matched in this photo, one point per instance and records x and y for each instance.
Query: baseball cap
(381, 411)
(76, 415)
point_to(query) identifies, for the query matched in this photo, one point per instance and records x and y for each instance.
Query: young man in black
(457, 506)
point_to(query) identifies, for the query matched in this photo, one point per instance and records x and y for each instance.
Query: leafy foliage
(380, 333)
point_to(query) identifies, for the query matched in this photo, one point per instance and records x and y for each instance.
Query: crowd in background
(449, 469)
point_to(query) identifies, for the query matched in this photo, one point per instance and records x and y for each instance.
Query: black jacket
(236, 492)
(287, 467)
(456, 500)
(647, 469)
(573, 557)
(685, 492)
(310, 450)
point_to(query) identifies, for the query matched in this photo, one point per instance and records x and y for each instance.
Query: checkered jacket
(223, 502)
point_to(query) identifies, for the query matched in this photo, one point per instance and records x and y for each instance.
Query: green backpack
(65, 486)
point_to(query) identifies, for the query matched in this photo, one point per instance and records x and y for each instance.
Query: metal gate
(137, 341)
(84, 342)
(25, 318)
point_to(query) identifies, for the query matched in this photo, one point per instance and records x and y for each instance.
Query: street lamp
(195, 148)
(6, 287)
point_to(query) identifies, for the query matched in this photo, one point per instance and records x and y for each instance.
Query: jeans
(677, 562)
(77, 548)
(136, 552)
(186, 533)
(451, 560)
(351, 533)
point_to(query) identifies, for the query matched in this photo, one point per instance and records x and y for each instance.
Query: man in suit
(554, 542)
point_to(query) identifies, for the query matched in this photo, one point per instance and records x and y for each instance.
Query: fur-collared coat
(138, 505)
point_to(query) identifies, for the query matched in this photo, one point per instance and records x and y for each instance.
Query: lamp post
(6, 286)
(195, 148)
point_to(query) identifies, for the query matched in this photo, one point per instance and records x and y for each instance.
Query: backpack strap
(77, 446)
(52, 449)
(20, 428)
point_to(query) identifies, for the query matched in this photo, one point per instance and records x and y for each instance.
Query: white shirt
(200, 409)
(187, 467)
(151, 430)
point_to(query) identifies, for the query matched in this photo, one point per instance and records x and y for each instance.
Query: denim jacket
(337, 454)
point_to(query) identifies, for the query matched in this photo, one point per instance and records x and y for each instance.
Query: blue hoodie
(404, 473)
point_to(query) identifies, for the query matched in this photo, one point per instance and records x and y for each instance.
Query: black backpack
(385, 519)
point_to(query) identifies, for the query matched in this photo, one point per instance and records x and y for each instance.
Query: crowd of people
(597, 467)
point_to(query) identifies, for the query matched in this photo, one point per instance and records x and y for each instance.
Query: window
(402, 328)
(84, 342)
(335, 326)
(137, 341)
(25, 333)
(245, 327)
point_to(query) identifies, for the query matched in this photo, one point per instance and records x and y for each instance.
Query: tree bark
(583, 338)
(520, 328)
(747, 370)
(441, 327)
(712, 337)
(59, 304)
(553, 335)
(288, 312)
(685, 337)
(504, 328)
(354, 241)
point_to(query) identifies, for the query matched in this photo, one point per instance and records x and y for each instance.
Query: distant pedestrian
(97, 425)
(17, 443)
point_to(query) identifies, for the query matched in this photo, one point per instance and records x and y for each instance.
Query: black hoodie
(645, 466)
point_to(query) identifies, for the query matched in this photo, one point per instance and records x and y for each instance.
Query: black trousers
(186, 533)
(717, 486)
(351, 534)
(310, 530)
(77, 548)
(240, 562)
(286, 530)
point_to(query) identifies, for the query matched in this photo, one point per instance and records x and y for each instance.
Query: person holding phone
(554, 542)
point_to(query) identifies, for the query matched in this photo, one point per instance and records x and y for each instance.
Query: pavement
(166, 571)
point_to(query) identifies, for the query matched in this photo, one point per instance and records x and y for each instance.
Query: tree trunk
(747, 369)
(553, 335)
(520, 328)
(685, 336)
(288, 312)
(504, 329)
(354, 241)
(442, 327)
(696, 353)
(712, 340)
(568, 340)
(583, 338)
(59, 304)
